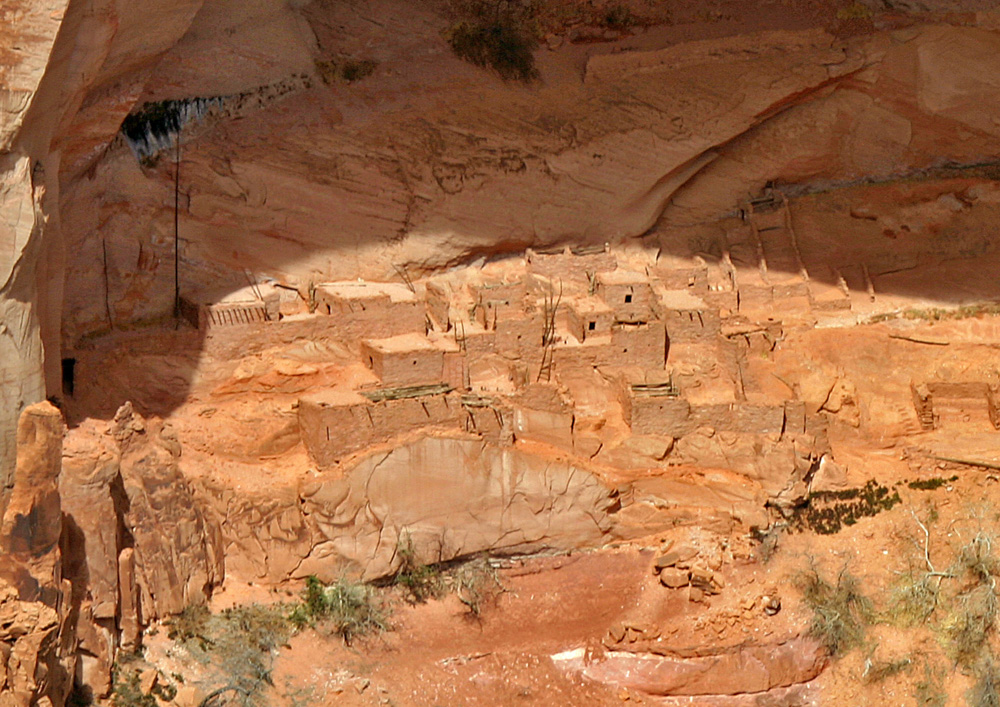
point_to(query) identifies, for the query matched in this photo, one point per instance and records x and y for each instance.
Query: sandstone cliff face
(616, 138)
(37, 636)
(61, 60)
(426, 164)
(641, 138)
(137, 544)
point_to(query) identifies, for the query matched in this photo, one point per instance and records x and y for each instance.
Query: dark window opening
(628, 298)
(591, 326)
(68, 375)
(414, 362)
(371, 362)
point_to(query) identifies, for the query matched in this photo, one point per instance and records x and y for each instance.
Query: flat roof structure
(363, 290)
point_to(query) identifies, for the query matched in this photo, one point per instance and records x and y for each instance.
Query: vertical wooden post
(177, 250)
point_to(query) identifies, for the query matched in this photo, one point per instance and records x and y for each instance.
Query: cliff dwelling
(499, 352)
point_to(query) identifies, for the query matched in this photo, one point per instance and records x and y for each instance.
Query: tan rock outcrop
(37, 639)
(749, 669)
(177, 553)
(451, 497)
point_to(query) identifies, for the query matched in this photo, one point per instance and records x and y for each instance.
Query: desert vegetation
(943, 602)
(497, 35)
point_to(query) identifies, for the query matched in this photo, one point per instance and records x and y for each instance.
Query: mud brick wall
(439, 305)
(661, 415)
(642, 345)
(586, 323)
(630, 303)
(402, 368)
(334, 431)
(520, 337)
(689, 325)
(373, 318)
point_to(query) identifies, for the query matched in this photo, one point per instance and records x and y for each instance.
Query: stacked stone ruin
(422, 342)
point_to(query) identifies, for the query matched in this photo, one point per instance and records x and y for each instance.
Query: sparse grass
(498, 35)
(913, 600)
(928, 691)
(968, 625)
(840, 611)
(986, 690)
(351, 608)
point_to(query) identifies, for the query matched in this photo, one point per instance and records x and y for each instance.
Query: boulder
(673, 578)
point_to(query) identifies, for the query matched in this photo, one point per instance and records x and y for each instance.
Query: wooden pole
(177, 240)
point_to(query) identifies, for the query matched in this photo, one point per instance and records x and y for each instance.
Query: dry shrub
(476, 583)
(840, 611)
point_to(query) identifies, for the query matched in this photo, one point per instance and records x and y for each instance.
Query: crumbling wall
(631, 298)
(676, 417)
(571, 265)
(338, 427)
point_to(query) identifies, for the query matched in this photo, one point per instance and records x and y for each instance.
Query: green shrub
(126, 692)
(239, 642)
(840, 611)
(829, 511)
(930, 484)
(420, 581)
(497, 46)
(244, 644)
(350, 607)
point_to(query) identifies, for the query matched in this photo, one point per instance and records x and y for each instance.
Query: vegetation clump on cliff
(498, 35)
(828, 512)
(345, 70)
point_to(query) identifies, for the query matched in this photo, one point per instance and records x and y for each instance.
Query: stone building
(407, 359)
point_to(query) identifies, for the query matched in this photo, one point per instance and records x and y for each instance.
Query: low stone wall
(674, 416)
(335, 428)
